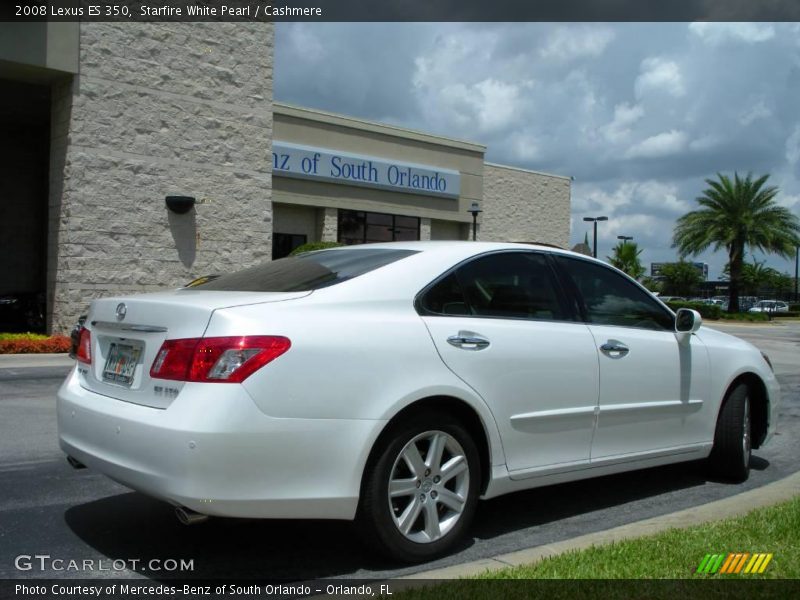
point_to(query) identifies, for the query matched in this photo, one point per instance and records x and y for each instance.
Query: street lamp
(595, 220)
(796, 262)
(624, 238)
(474, 210)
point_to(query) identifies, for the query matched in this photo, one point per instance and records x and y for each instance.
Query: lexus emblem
(122, 310)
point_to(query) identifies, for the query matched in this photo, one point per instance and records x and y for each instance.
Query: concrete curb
(21, 361)
(772, 493)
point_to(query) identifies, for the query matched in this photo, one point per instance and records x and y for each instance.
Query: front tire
(730, 456)
(421, 488)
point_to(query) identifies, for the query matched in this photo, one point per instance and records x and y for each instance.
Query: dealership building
(136, 157)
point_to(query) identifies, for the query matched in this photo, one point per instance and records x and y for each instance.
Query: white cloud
(303, 40)
(793, 146)
(625, 115)
(792, 202)
(570, 43)
(705, 143)
(659, 75)
(659, 146)
(755, 112)
(719, 33)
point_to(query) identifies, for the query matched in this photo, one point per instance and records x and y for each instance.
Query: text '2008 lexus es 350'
(398, 383)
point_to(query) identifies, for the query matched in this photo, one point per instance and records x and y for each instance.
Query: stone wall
(159, 109)
(524, 206)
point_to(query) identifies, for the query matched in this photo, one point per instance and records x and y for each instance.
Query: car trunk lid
(127, 333)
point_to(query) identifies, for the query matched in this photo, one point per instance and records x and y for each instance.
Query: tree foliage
(736, 214)
(680, 278)
(626, 258)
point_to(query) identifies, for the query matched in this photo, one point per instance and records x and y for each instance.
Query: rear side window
(506, 285)
(305, 272)
(610, 299)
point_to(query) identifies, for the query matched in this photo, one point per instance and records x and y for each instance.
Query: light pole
(474, 210)
(796, 262)
(624, 238)
(595, 220)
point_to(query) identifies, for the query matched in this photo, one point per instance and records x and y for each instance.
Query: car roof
(467, 248)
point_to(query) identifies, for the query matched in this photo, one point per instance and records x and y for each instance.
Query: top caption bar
(398, 10)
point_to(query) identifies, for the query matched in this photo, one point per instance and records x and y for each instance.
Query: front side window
(610, 299)
(508, 285)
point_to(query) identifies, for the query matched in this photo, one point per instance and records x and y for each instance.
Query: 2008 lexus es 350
(397, 384)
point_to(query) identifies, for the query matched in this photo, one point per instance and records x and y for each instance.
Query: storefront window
(359, 227)
(284, 243)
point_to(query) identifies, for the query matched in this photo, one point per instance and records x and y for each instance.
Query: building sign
(322, 164)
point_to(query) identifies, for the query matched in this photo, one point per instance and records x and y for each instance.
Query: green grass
(677, 553)
(671, 556)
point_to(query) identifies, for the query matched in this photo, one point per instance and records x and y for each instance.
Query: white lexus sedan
(397, 384)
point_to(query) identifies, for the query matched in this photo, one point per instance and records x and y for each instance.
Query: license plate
(121, 363)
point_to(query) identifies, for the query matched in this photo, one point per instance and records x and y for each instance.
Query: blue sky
(639, 114)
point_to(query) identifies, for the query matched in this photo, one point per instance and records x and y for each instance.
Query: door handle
(614, 349)
(468, 340)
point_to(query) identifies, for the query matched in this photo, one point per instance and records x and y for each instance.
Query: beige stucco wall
(448, 230)
(301, 220)
(159, 109)
(524, 206)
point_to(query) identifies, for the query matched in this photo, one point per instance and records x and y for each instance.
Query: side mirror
(687, 320)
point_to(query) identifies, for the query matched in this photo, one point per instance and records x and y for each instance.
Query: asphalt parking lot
(47, 508)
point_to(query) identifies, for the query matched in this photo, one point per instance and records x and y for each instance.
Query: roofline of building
(330, 118)
(510, 168)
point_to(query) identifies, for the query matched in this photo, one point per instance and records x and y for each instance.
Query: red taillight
(84, 353)
(216, 359)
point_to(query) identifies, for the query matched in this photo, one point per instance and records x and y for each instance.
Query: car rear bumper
(213, 451)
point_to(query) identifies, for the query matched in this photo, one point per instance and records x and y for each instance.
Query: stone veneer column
(328, 224)
(159, 109)
(424, 229)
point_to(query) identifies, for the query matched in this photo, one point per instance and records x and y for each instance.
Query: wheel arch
(759, 405)
(450, 405)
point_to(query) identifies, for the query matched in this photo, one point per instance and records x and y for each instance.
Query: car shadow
(131, 525)
(541, 506)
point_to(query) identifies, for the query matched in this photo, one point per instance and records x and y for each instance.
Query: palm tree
(626, 258)
(733, 215)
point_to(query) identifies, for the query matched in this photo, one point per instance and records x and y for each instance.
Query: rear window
(308, 271)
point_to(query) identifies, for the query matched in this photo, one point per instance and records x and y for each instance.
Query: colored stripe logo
(734, 563)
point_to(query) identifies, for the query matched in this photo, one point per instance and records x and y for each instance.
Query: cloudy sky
(639, 114)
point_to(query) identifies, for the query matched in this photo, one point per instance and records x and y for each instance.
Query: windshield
(307, 271)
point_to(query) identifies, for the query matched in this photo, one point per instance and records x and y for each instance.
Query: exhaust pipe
(188, 517)
(75, 463)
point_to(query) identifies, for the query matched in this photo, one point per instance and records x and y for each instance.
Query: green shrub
(21, 336)
(794, 308)
(707, 311)
(311, 246)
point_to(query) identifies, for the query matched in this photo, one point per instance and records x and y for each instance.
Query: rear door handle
(468, 340)
(614, 349)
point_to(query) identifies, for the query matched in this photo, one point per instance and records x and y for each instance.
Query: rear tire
(420, 489)
(730, 456)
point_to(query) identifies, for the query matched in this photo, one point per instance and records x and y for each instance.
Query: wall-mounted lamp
(474, 210)
(180, 204)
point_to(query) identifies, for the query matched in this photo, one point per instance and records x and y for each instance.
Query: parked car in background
(396, 384)
(771, 306)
